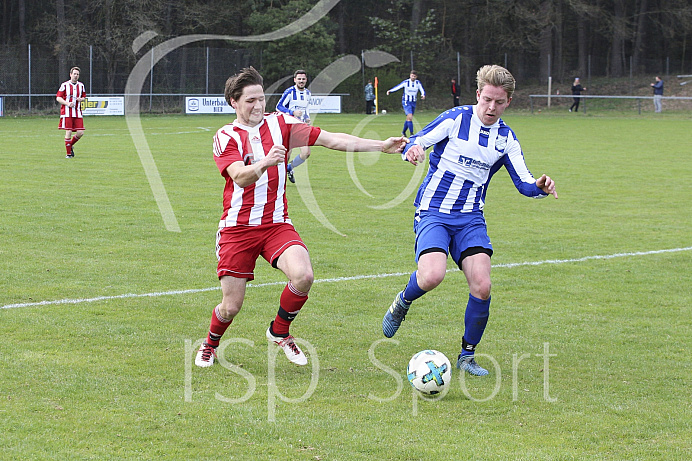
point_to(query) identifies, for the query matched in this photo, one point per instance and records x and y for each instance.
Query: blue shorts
(452, 234)
(409, 107)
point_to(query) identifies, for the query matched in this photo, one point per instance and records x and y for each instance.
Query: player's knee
(304, 280)
(481, 288)
(430, 278)
(228, 309)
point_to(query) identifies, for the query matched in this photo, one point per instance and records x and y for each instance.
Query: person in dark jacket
(576, 92)
(658, 94)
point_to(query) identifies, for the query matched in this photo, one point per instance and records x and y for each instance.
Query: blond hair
(494, 75)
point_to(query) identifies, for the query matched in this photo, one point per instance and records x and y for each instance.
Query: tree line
(558, 38)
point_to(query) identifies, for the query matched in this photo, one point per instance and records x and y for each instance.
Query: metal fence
(30, 76)
(636, 100)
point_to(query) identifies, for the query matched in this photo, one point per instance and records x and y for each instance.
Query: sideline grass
(589, 359)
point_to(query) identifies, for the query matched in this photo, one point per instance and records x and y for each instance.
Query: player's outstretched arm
(349, 143)
(546, 184)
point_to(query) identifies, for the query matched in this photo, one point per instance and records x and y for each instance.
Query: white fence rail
(583, 98)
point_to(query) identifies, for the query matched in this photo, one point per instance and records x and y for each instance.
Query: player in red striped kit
(251, 154)
(70, 95)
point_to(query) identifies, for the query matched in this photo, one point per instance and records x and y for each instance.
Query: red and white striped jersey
(70, 92)
(264, 201)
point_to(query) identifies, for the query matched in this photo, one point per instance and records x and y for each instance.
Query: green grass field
(589, 341)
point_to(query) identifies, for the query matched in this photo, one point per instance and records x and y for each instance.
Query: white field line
(333, 280)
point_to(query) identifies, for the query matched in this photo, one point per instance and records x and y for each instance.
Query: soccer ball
(429, 372)
(384, 112)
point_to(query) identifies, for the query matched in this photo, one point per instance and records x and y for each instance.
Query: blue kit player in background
(296, 101)
(411, 88)
(470, 144)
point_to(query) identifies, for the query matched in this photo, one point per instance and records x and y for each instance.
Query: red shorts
(237, 248)
(71, 123)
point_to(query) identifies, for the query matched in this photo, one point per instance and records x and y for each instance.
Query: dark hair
(414, 72)
(237, 83)
(77, 68)
(298, 72)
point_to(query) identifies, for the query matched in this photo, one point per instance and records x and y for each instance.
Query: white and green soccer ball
(429, 372)
(384, 111)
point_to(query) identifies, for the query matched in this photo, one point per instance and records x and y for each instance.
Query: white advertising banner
(207, 105)
(218, 105)
(325, 104)
(106, 105)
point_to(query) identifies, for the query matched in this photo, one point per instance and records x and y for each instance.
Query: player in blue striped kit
(411, 88)
(296, 101)
(470, 144)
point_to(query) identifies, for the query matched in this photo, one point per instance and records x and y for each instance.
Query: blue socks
(475, 320)
(408, 126)
(412, 290)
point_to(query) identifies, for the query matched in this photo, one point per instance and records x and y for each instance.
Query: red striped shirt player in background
(251, 154)
(70, 95)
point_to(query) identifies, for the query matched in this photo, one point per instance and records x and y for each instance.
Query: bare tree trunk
(23, 43)
(545, 41)
(61, 48)
(7, 12)
(558, 61)
(22, 23)
(183, 68)
(468, 68)
(619, 26)
(341, 36)
(640, 35)
(111, 59)
(416, 14)
(582, 45)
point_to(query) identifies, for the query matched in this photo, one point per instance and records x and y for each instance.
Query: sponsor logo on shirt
(468, 161)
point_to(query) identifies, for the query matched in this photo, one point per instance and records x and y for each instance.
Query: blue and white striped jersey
(294, 99)
(465, 156)
(411, 90)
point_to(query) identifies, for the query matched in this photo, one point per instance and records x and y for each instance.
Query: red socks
(218, 327)
(292, 300)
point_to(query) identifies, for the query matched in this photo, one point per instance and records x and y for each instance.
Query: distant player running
(470, 144)
(411, 88)
(70, 95)
(296, 101)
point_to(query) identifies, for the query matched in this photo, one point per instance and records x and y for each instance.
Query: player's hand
(276, 155)
(394, 145)
(298, 114)
(546, 184)
(415, 154)
(422, 97)
(387, 93)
